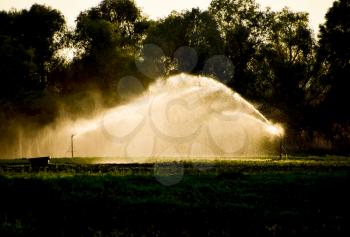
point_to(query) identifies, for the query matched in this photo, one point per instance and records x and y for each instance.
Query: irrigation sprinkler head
(275, 129)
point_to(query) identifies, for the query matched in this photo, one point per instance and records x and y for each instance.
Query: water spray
(181, 116)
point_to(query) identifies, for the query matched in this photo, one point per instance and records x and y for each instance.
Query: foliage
(240, 26)
(108, 37)
(29, 41)
(194, 29)
(334, 55)
(284, 64)
(235, 197)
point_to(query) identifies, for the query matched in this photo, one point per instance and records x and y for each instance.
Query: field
(258, 197)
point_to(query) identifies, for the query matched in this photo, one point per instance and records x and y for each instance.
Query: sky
(160, 8)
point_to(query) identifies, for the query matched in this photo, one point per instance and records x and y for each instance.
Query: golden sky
(160, 8)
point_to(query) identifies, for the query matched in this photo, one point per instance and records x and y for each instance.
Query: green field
(298, 196)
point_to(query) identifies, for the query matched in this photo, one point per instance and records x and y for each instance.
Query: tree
(194, 29)
(29, 42)
(108, 36)
(284, 64)
(334, 54)
(334, 59)
(273, 53)
(122, 26)
(240, 24)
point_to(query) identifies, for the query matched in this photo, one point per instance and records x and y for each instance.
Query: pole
(72, 144)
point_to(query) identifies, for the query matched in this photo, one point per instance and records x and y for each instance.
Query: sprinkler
(277, 130)
(282, 148)
(72, 144)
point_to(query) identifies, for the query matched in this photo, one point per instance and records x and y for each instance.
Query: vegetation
(258, 197)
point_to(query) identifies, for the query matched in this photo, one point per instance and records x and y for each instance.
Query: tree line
(295, 77)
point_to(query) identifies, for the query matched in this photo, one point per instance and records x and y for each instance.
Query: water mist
(181, 117)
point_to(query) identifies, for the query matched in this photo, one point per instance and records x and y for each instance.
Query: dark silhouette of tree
(273, 54)
(121, 25)
(334, 52)
(284, 63)
(240, 24)
(29, 41)
(334, 60)
(108, 37)
(195, 29)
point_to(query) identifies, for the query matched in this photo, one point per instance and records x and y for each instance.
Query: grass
(300, 196)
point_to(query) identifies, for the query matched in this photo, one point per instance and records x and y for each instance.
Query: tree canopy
(29, 41)
(194, 29)
(334, 53)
